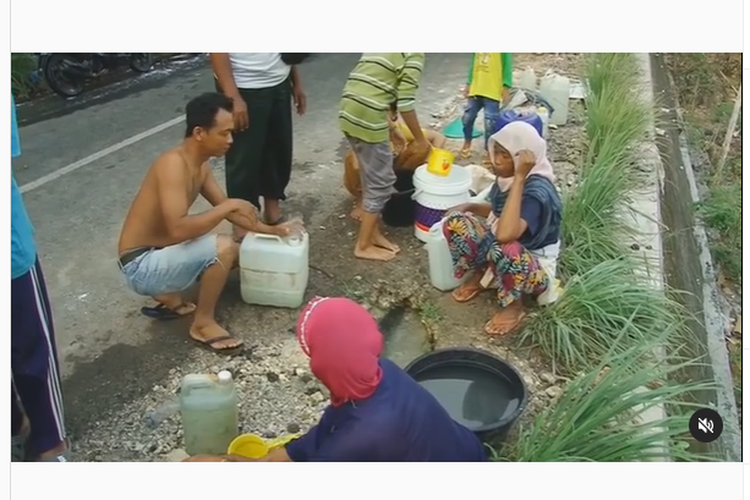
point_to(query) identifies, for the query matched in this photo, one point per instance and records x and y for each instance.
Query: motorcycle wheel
(57, 80)
(141, 63)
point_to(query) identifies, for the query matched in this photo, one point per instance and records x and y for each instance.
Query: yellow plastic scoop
(254, 446)
(248, 446)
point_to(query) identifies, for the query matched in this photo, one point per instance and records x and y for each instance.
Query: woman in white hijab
(510, 243)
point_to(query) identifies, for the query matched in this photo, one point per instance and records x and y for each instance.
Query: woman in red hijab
(377, 411)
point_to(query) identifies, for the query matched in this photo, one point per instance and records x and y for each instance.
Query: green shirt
(377, 81)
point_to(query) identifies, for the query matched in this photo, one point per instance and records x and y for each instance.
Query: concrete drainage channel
(686, 261)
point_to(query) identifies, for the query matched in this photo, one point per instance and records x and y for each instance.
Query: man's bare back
(145, 224)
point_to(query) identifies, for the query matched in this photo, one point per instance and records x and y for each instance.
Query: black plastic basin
(479, 390)
(399, 210)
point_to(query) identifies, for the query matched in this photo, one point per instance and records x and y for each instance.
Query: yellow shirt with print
(489, 72)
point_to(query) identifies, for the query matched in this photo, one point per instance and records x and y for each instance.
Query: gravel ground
(277, 394)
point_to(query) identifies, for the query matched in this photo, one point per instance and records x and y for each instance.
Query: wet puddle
(405, 336)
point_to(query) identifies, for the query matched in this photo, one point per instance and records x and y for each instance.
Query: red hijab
(344, 344)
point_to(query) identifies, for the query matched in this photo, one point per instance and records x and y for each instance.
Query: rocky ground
(277, 393)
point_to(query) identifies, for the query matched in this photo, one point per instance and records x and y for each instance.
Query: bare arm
(510, 225)
(171, 185)
(223, 72)
(480, 209)
(410, 77)
(296, 81)
(247, 220)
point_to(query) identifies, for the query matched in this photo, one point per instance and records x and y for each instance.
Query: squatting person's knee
(227, 250)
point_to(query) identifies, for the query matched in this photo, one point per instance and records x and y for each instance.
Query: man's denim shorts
(171, 269)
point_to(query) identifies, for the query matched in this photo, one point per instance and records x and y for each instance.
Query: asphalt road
(78, 214)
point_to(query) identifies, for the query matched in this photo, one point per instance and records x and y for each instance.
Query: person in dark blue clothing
(511, 241)
(378, 413)
(37, 420)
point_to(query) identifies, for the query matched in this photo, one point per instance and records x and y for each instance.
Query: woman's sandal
(491, 328)
(471, 296)
(465, 154)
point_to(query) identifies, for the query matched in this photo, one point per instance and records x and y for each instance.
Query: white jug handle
(417, 193)
(264, 236)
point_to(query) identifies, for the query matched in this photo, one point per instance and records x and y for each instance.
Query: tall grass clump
(598, 417)
(593, 226)
(607, 302)
(604, 295)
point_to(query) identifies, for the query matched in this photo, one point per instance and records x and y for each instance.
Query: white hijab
(515, 137)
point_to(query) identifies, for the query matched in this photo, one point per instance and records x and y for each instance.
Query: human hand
(462, 208)
(524, 161)
(506, 95)
(237, 458)
(241, 119)
(300, 99)
(292, 226)
(205, 458)
(465, 91)
(241, 206)
(398, 139)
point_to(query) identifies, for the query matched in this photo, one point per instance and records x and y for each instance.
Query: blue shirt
(400, 422)
(22, 245)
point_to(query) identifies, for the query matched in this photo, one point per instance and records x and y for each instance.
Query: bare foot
(374, 253)
(466, 150)
(356, 213)
(214, 337)
(506, 320)
(381, 241)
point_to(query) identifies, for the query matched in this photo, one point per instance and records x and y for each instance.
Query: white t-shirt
(258, 70)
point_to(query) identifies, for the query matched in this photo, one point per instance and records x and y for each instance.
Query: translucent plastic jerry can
(527, 79)
(274, 271)
(555, 89)
(208, 405)
(439, 260)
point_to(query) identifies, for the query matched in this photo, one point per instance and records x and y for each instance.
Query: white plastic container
(435, 194)
(208, 406)
(543, 113)
(274, 271)
(527, 80)
(439, 259)
(555, 89)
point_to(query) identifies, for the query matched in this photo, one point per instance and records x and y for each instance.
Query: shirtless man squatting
(164, 250)
(376, 82)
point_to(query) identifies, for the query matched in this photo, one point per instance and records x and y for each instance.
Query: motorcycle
(67, 74)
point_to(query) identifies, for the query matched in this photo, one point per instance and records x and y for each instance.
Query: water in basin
(472, 397)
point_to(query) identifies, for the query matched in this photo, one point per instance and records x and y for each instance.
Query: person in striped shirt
(376, 82)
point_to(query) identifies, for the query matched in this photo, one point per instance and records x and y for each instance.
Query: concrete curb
(646, 215)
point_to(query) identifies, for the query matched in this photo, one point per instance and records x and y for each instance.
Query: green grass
(604, 295)
(21, 66)
(593, 227)
(722, 213)
(596, 418)
(607, 302)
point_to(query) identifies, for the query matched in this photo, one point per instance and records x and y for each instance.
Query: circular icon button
(706, 425)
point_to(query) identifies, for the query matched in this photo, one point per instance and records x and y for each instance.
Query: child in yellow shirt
(488, 85)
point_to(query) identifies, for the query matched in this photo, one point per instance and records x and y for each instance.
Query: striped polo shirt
(376, 81)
